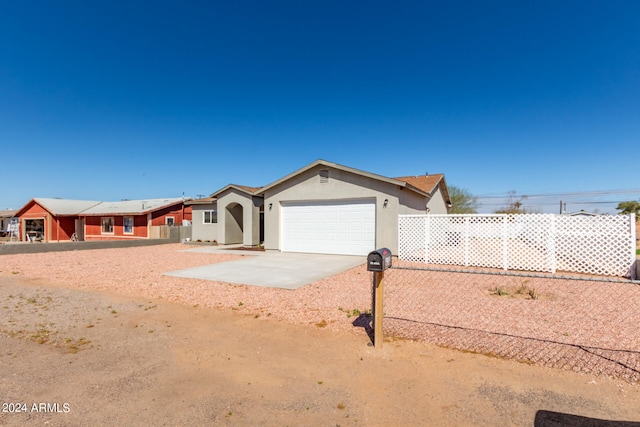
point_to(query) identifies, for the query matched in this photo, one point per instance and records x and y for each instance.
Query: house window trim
(166, 220)
(113, 225)
(124, 225)
(213, 214)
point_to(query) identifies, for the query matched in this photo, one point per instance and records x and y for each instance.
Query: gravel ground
(138, 272)
(583, 326)
(580, 325)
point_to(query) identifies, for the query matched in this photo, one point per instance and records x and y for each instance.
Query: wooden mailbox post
(377, 262)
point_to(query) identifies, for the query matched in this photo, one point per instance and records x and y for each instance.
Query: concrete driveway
(272, 269)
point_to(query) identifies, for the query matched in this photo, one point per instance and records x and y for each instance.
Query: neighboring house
(5, 218)
(132, 219)
(582, 213)
(51, 219)
(59, 219)
(325, 208)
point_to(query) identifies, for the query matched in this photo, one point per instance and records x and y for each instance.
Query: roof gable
(242, 188)
(428, 183)
(343, 168)
(60, 207)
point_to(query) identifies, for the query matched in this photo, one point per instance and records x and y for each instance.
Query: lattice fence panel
(603, 245)
(594, 245)
(530, 242)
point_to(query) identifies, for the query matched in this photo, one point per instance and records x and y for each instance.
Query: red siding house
(59, 219)
(132, 219)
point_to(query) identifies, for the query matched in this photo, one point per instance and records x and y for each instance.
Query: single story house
(323, 207)
(132, 219)
(5, 218)
(60, 219)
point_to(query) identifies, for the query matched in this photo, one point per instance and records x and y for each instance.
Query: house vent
(324, 176)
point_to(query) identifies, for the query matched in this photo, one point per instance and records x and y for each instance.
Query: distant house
(323, 207)
(132, 219)
(5, 217)
(60, 219)
(44, 219)
(582, 213)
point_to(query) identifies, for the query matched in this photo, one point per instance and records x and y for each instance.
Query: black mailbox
(379, 260)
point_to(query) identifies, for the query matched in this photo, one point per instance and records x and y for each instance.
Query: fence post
(505, 242)
(466, 241)
(634, 259)
(551, 244)
(427, 240)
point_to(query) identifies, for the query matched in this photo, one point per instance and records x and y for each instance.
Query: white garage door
(334, 227)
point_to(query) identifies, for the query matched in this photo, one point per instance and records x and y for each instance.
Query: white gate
(602, 244)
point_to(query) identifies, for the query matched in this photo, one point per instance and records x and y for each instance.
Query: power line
(555, 203)
(564, 194)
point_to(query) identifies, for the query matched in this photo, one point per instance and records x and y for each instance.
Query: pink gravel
(579, 325)
(584, 326)
(138, 272)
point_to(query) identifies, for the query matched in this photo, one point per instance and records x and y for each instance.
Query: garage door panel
(340, 227)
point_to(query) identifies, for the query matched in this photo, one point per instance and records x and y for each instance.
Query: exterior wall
(141, 223)
(160, 217)
(238, 218)
(437, 204)
(63, 227)
(93, 228)
(342, 185)
(200, 230)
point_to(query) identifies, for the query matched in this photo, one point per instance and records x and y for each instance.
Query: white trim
(210, 211)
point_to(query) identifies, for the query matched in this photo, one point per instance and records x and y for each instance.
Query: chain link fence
(583, 324)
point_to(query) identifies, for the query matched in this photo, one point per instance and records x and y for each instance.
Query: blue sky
(110, 100)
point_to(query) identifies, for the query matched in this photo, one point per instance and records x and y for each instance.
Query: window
(107, 225)
(211, 217)
(128, 225)
(170, 220)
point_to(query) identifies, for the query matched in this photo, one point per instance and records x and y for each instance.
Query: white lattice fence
(603, 244)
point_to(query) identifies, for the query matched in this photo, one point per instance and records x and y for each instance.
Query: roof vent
(324, 176)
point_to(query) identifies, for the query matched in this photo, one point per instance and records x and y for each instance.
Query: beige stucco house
(323, 207)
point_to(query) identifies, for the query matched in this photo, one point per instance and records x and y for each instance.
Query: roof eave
(215, 194)
(321, 162)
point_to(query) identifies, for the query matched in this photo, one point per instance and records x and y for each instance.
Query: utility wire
(564, 194)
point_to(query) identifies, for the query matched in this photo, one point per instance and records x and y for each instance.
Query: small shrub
(499, 291)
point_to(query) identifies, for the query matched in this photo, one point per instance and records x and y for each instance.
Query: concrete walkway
(271, 269)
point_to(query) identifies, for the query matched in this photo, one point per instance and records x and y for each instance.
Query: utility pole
(563, 208)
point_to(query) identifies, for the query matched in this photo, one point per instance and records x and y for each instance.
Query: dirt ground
(80, 357)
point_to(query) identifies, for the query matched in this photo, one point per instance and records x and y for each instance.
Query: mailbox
(379, 260)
